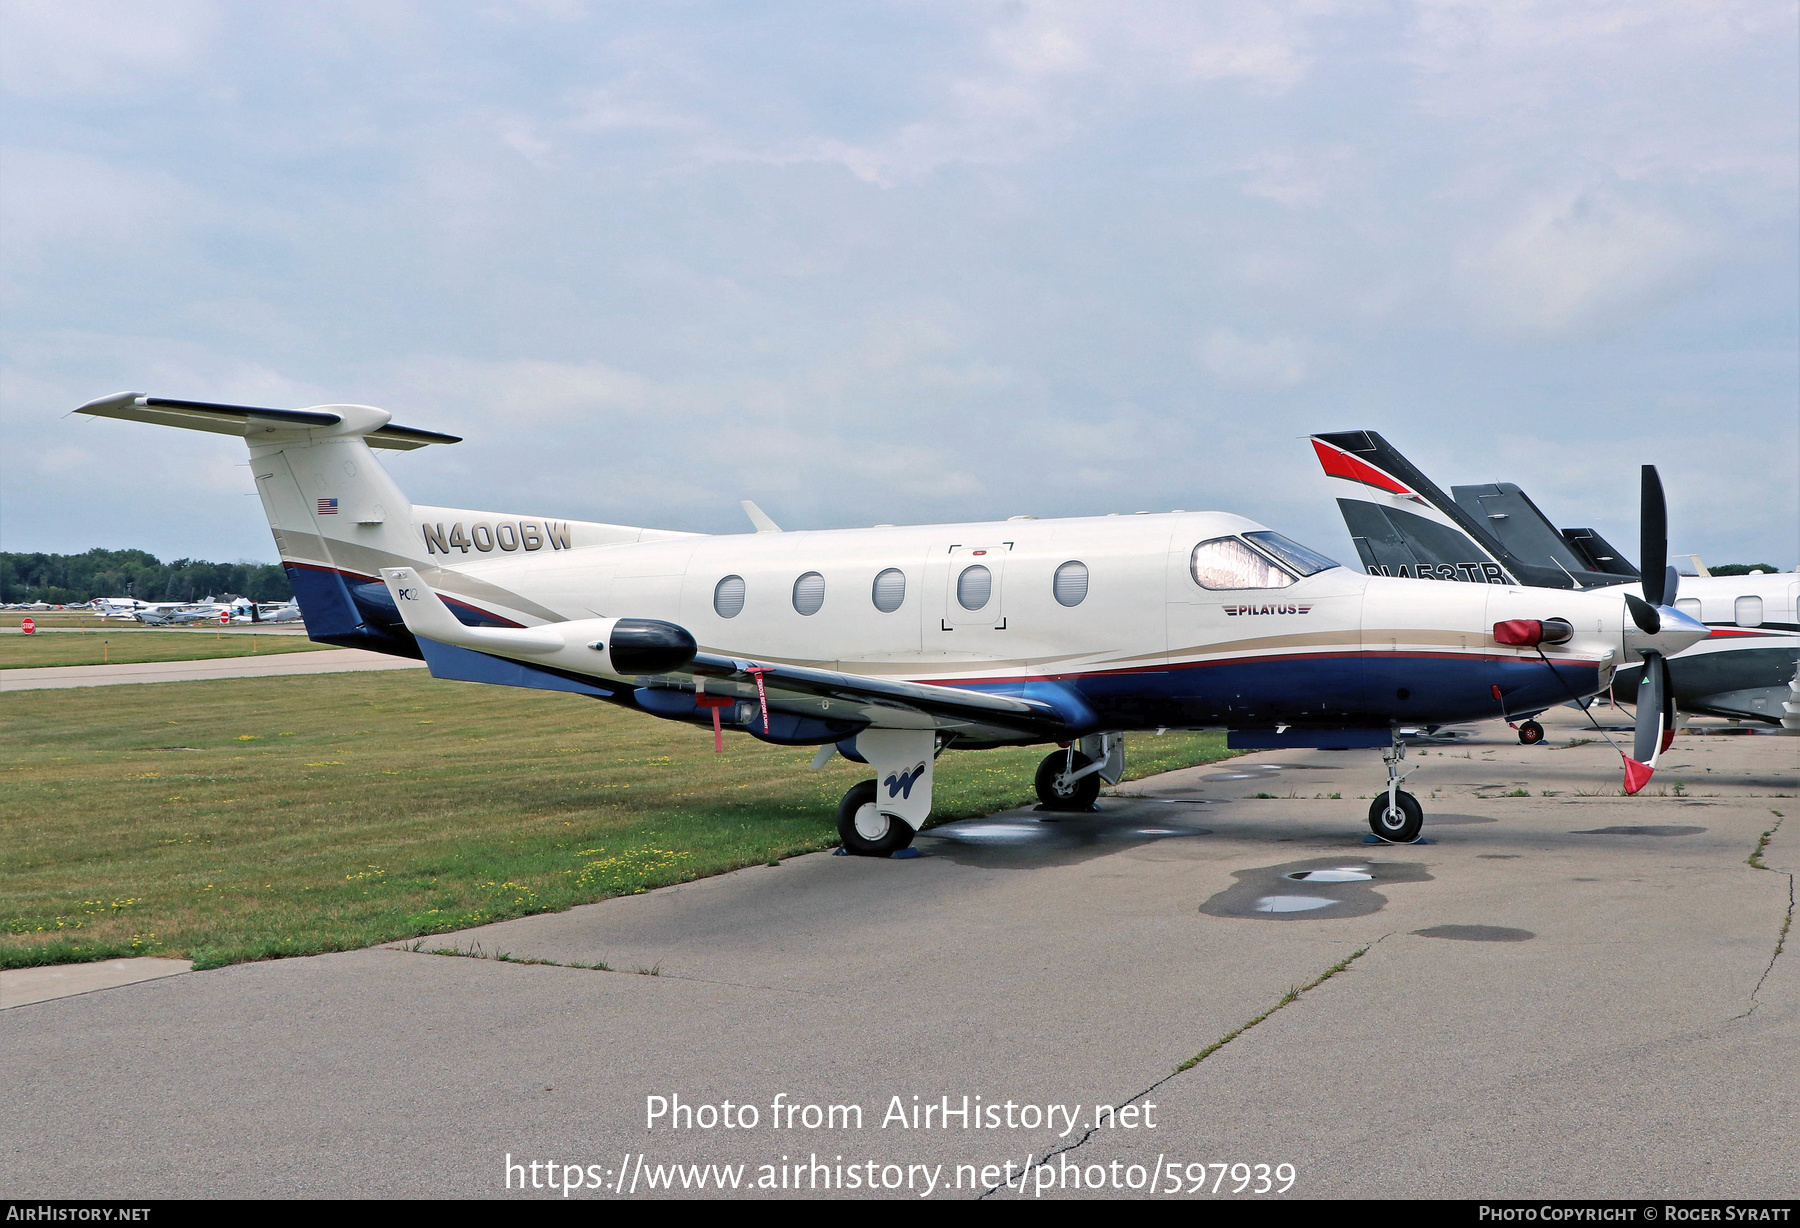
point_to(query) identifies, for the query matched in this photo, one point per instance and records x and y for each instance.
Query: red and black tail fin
(1404, 524)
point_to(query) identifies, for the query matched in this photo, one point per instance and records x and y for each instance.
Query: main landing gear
(1070, 778)
(1395, 816)
(1530, 733)
(877, 818)
(865, 829)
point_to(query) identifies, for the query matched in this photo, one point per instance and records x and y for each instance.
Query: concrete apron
(1636, 1041)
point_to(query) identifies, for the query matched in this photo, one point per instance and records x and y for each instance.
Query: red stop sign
(28, 626)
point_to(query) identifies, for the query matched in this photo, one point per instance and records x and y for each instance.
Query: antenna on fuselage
(758, 517)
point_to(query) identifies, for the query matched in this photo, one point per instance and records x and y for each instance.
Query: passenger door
(974, 584)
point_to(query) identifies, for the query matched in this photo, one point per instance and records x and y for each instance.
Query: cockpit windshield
(1227, 563)
(1290, 553)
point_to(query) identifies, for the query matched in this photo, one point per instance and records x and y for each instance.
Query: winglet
(426, 615)
(423, 610)
(759, 518)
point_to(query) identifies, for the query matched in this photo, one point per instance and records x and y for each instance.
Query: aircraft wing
(879, 699)
(658, 666)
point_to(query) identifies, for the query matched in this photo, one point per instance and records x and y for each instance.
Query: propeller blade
(1643, 614)
(1652, 703)
(1668, 703)
(1671, 585)
(1653, 559)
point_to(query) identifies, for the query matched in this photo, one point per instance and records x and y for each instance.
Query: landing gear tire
(1399, 825)
(865, 830)
(1530, 733)
(1075, 795)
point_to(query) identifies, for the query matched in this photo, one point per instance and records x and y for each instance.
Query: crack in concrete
(656, 970)
(1292, 995)
(418, 947)
(1787, 922)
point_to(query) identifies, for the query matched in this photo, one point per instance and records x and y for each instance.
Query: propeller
(1656, 698)
(1655, 722)
(1653, 559)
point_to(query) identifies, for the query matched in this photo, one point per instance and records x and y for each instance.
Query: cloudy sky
(906, 262)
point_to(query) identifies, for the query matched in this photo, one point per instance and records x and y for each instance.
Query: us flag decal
(327, 507)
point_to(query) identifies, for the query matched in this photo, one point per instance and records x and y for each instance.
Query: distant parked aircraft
(1748, 667)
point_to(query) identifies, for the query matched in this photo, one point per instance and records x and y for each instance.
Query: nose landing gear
(1395, 816)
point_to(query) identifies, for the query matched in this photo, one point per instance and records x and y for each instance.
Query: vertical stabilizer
(1405, 525)
(339, 519)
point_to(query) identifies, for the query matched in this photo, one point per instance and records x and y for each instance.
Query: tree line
(73, 578)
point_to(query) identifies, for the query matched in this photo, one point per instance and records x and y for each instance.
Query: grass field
(254, 818)
(119, 646)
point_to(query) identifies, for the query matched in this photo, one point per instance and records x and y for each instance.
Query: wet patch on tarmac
(1260, 771)
(1320, 887)
(1498, 856)
(1456, 820)
(1019, 841)
(1245, 771)
(1477, 933)
(1664, 829)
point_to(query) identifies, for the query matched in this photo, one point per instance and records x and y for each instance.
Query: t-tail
(1403, 524)
(338, 518)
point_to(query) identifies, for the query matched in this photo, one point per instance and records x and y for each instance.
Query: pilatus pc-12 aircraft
(1748, 667)
(895, 644)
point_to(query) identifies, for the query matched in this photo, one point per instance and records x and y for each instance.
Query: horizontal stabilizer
(1598, 554)
(251, 420)
(1509, 514)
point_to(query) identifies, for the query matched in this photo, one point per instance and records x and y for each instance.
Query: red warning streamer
(757, 672)
(715, 702)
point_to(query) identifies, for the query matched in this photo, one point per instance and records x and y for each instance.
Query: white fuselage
(1146, 644)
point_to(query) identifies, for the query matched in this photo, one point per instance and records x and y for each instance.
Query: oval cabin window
(1070, 584)
(728, 597)
(890, 590)
(974, 587)
(1748, 611)
(809, 593)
